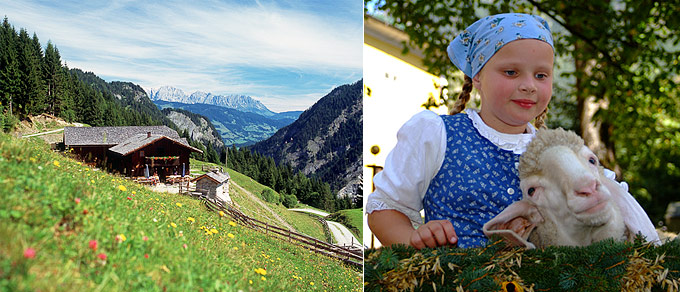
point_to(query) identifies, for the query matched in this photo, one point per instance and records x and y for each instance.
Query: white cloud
(197, 45)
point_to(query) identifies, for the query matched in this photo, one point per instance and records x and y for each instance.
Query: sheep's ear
(634, 216)
(515, 223)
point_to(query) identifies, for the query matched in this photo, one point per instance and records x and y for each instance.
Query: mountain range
(235, 127)
(325, 141)
(240, 102)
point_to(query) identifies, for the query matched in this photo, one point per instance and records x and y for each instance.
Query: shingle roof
(101, 136)
(141, 140)
(219, 177)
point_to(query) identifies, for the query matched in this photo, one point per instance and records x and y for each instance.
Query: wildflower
(146, 255)
(263, 278)
(145, 238)
(93, 244)
(191, 219)
(222, 214)
(130, 199)
(77, 200)
(29, 253)
(311, 283)
(184, 246)
(232, 223)
(250, 281)
(178, 204)
(121, 237)
(122, 188)
(85, 212)
(134, 193)
(235, 247)
(92, 181)
(56, 163)
(173, 224)
(102, 256)
(230, 235)
(213, 230)
(261, 271)
(155, 220)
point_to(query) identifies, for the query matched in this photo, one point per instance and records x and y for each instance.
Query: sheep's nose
(587, 189)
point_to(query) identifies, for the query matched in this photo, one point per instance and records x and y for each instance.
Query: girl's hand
(434, 233)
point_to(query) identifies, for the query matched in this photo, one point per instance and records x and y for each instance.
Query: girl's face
(515, 85)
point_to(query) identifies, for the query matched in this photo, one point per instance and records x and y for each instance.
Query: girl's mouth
(524, 103)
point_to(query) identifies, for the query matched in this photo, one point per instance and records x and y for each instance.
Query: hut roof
(218, 177)
(142, 140)
(102, 136)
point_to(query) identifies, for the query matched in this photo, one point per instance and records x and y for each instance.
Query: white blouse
(419, 154)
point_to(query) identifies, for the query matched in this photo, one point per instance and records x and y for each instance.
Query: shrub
(290, 201)
(270, 196)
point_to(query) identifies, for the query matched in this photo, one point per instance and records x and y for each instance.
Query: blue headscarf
(472, 48)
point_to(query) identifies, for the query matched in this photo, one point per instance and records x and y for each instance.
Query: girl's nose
(527, 86)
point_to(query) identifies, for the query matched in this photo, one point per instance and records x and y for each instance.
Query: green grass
(56, 207)
(352, 218)
(303, 223)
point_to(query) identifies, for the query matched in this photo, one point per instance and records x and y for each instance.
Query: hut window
(141, 153)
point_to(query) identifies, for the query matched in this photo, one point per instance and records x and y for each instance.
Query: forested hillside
(325, 141)
(35, 81)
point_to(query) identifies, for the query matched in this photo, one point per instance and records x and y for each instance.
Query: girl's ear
(476, 83)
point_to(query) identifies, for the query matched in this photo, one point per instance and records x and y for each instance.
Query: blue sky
(286, 54)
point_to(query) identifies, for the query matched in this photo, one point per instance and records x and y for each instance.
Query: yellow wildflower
(56, 163)
(250, 281)
(173, 224)
(191, 219)
(92, 181)
(121, 237)
(221, 213)
(263, 278)
(235, 247)
(134, 193)
(178, 205)
(230, 235)
(213, 230)
(232, 223)
(311, 283)
(122, 188)
(261, 271)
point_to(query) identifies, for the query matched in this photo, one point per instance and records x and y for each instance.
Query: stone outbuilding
(214, 184)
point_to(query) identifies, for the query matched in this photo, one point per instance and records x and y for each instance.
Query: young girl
(462, 168)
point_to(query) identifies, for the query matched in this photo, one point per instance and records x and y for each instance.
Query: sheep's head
(558, 162)
(561, 179)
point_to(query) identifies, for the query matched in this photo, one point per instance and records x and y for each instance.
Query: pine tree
(51, 70)
(10, 82)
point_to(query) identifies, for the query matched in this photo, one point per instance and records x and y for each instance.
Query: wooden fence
(349, 255)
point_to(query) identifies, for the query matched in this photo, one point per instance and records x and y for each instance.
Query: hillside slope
(65, 226)
(325, 141)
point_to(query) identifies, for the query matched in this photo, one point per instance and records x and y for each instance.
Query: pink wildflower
(102, 256)
(93, 245)
(145, 238)
(77, 200)
(29, 253)
(146, 255)
(184, 246)
(129, 198)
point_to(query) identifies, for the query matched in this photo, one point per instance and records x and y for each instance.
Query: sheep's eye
(531, 191)
(592, 160)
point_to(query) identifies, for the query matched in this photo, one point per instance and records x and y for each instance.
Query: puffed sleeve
(410, 166)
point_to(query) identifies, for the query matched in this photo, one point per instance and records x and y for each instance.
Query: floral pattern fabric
(476, 181)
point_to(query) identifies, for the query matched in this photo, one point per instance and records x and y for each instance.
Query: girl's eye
(531, 191)
(510, 72)
(592, 160)
(541, 76)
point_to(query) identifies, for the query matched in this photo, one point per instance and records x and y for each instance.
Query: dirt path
(341, 233)
(264, 206)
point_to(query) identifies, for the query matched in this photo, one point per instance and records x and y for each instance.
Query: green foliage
(625, 54)
(270, 196)
(289, 200)
(604, 266)
(151, 241)
(282, 179)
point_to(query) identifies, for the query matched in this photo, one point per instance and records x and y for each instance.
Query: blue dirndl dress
(476, 181)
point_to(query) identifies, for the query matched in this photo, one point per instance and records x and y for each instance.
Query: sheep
(567, 200)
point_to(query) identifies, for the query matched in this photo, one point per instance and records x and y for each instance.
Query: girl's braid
(463, 97)
(539, 121)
